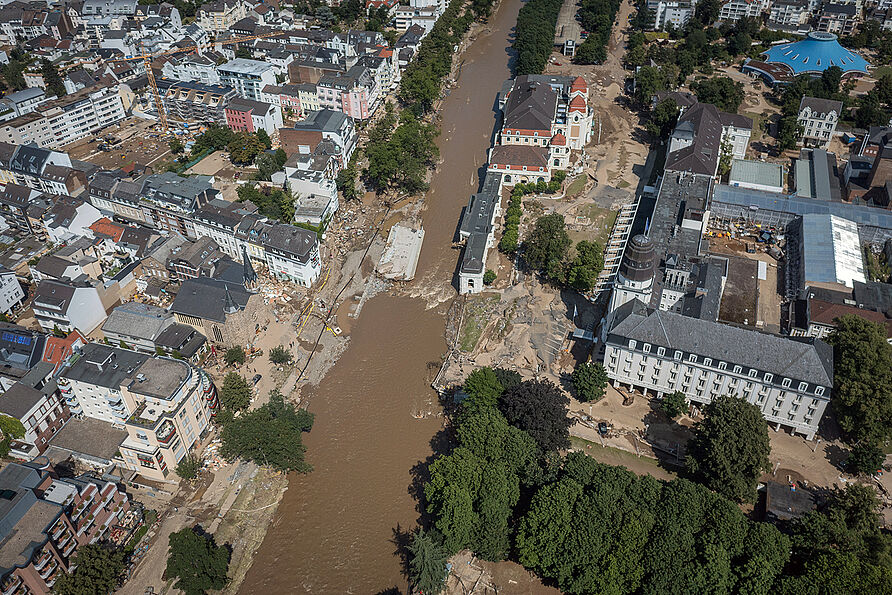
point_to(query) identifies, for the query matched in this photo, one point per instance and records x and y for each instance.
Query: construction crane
(147, 62)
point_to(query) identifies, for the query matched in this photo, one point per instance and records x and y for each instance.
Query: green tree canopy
(263, 137)
(51, 78)
(547, 246)
(583, 270)
(98, 571)
(176, 146)
(269, 435)
(244, 147)
(483, 388)
(862, 366)
(729, 450)
(196, 561)
(189, 466)
(539, 408)
(590, 381)
(280, 355)
(234, 355)
(675, 404)
(663, 119)
(427, 563)
(722, 92)
(12, 429)
(235, 394)
(865, 457)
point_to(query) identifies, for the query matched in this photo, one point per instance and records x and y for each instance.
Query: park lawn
(882, 70)
(602, 222)
(576, 186)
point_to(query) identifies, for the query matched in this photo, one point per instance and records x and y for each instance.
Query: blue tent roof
(818, 52)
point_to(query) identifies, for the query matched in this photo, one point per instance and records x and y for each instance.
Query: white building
(674, 13)
(92, 385)
(789, 13)
(11, 294)
(192, 67)
(789, 380)
(68, 306)
(734, 10)
(247, 77)
(818, 118)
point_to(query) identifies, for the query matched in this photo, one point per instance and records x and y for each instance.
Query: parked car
(257, 378)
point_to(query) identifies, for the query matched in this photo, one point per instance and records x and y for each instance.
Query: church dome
(639, 259)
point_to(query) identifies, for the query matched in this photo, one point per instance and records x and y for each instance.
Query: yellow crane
(147, 62)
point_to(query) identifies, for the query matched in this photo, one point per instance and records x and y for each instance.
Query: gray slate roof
(203, 298)
(809, 360)
(134, 319)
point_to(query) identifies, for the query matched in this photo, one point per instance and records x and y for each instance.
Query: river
(334, 531)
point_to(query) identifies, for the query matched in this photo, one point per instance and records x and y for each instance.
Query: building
(197, 102)
(247, 77)
(245, 115)
(788, 13)
(813, 55)
(22, 102)
(818, 118)
(829, 252)
(45, 518)
(816, 313)
(840, 19)
(92, 385)
(674, 13)
(734, 10)
(701, 137)
(758, 175)
(36, 403)
(136, 325)
(220, 15)
(816, 176)
(477, 229)
(789, 379)
(171, 404)
(11, 293)
(21, 349)
(196, 68)
(325, 124)
(68, 306)
(213, 307)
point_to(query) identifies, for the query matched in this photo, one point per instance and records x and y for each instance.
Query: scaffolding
(616, 246)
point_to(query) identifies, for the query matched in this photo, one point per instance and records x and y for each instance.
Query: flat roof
(88, 436)
(159, 377)
(104, 365)
(831, 250)
(400, 258)
(757, 172)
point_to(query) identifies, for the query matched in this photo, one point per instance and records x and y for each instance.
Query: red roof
(105, 227)
(579, 84)
(825, 313)
(57, 350)
(577, 104)
(559, 140)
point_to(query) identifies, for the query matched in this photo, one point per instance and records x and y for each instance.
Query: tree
(243, 51)
(648, 81)
(274, 203)
(507, 378)
(215, 138)
(589, 381)
(789, 132)
(196, 561)
(98, 571)
(263, 137)
(729, 450)
(235, 393)
(269, 435)
(489, 276)
(483, 388)
(663, 119)
(583, 270)
(546, 247)
(722, 92)
(234, 355)
(427, 563)
(267, 165)
(51, 78)
(188, 467)
(280, 355)
(865, 457)
(176, 146)
(862, 379)
(244, 147)
(12, 429)
(539, 408)
(674, 404)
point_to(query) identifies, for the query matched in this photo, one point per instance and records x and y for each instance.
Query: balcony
(43, 560)
(65, 539)
(48, 570)
(10, 584)
(58, 528)
(166, 431)
(70, 549)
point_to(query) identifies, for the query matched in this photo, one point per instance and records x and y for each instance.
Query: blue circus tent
(815, 54)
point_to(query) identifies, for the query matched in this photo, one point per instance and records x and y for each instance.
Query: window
(786, 383)
(646, 348)
(738, 369)
(677, 356)
(752, 373)
(819, 391)
(803, 386)
(692, 358)
(769, 377)
(661, 351)
(142, 436)
(723, 365)
(707, 361)
(632, 344)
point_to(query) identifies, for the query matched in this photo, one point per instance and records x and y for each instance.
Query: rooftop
(816, 53)
(756, 172)
(831, 250)
(160, 377)
(105, 366)
(89, 436)
(134, 319)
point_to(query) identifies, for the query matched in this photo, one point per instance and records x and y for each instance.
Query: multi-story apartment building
(35, 401)
(818, 118)
(788, 13)
(21, 349)
(124, 8)
(219, 16)
(68, 306)
(734, 10)
(191, 68)
(355, 92)
(45, 518)
(197, 102)
(11, 293)
(326, 124)
(789, 380)
(247, 77)
(674, 13)
(839, 18)
(65, 120)
(136, 325)
(92, 385)
(250, 116)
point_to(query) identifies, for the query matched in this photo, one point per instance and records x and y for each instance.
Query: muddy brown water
(334, 529)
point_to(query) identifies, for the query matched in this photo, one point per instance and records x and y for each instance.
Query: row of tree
(596, 17)
(534, 35)
(400, 151)
(511, 230)
(274, 203)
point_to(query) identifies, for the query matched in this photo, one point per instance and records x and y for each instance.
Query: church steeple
(249, 274)
(229, 306)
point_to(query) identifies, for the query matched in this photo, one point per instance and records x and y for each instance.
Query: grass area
(576, 186)
(757, 124)
(882, 70)
(654, 35)
(877, 269)
(602, 222)
(614, 456)
(476, 318)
